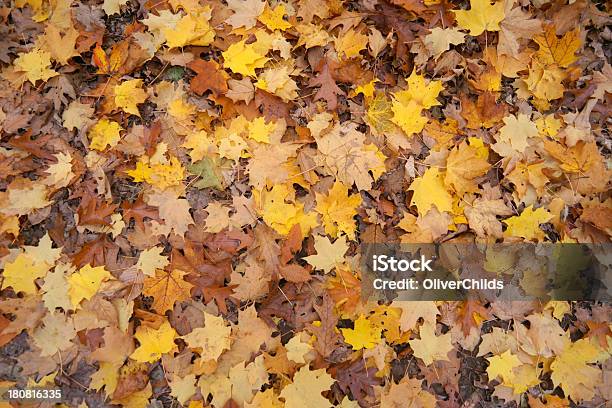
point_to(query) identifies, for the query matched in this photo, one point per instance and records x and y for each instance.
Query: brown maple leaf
(166, 288)
(209, 76)
(486, 112)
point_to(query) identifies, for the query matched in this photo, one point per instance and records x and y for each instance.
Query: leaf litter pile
(185, 186)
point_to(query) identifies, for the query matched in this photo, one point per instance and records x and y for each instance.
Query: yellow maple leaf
(363, 335)
(201, 143)
(350, 43)
(22, 272)
(555, 50)
(278, 82)
(244, 58)
(312, 35)
(296, 350)
(107, 376)
(328, 255)
(440, 40)
(55, 334)
(408, 393)
(158, 171)
(527, 225)
(182, 388)
(380, 115)
(544, 81)
(424, 93)
(273, 19)
(35, 65)
(408, 116)
(151, 259)
(111, 7)
(86, 282)
(55, 288)
(60, 173)
(431, 347)
(571, 371)
(245, 12)
(366, 89)
(104, 133)
(525, 176)
(305, 390)
(33, 263)
(464, 164)
(337, 210)
(482, 16)
(129, 94)
(154, 342)
(22, 197)
(136, 399)
(192, 29)
(259, 130)
(59, 42)
(517, 130)
(350, 157)
(281, 215)
(212, 339)
(166, 288)
(548, 125)
(502, 366)
(429, 190)
(524, 377)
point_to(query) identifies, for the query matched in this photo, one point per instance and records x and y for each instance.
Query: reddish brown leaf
(209, 77)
